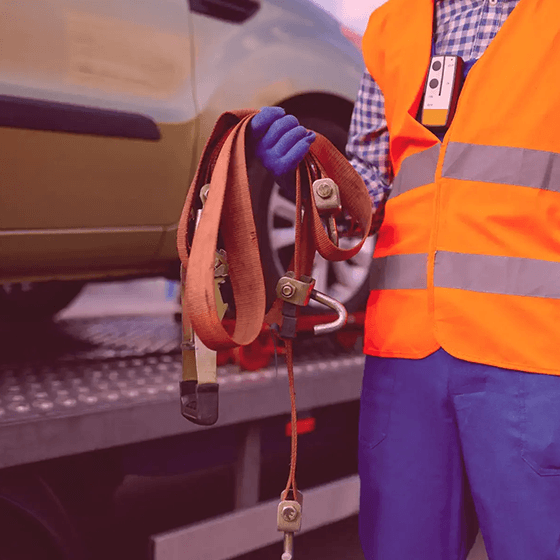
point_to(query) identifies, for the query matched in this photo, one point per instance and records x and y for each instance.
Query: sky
(353, 13)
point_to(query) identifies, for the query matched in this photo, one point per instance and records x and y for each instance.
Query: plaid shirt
(464, 28)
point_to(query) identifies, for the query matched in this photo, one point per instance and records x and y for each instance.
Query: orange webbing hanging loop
(228, 208)
(355, 199)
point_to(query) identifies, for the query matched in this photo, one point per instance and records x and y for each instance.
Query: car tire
(347, 281)
(36, 301)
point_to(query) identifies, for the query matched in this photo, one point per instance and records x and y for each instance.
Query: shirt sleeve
(368, 145)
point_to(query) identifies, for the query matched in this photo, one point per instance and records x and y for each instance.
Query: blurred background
(353, 14)
(105, 106)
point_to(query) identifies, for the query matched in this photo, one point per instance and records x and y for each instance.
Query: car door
(96, 133)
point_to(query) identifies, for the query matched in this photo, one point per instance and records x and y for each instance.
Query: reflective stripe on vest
(487, 164)
(399, 272)
(498, 164)
(416, 170)
(512, 276)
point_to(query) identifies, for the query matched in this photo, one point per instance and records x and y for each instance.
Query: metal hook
(298, 293)
(339, 322)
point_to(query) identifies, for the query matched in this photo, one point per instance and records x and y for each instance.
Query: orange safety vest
(468, 256)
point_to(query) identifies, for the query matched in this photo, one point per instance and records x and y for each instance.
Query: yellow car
(104, 110)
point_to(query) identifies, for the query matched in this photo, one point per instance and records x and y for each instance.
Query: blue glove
(280, 141)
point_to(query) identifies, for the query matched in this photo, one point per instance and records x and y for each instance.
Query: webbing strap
(228, 210)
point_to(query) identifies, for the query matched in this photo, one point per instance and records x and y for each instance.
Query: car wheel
(33, 301)
(346, 281)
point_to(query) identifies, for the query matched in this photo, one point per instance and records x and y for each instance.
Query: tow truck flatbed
(75, 387)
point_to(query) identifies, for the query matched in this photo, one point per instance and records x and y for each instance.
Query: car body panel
(92, 171)
(273, 57)
(74, 203)
(118, 54)
(80, 253)
(82, 205)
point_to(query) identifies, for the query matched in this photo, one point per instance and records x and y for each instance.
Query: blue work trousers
(447, 445)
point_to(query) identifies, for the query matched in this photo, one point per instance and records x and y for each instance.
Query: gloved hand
(280, 142)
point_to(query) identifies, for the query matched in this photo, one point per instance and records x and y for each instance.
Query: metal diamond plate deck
(81, 385)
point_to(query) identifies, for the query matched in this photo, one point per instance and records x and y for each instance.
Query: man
(461, 397)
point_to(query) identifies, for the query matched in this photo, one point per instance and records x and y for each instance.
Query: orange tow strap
(228, 211)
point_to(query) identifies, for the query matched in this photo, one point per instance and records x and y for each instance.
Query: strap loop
(228, 210)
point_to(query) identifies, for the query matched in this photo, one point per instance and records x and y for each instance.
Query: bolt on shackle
(328, 203)
(289, 519)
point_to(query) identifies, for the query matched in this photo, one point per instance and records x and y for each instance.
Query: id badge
(441, 92)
